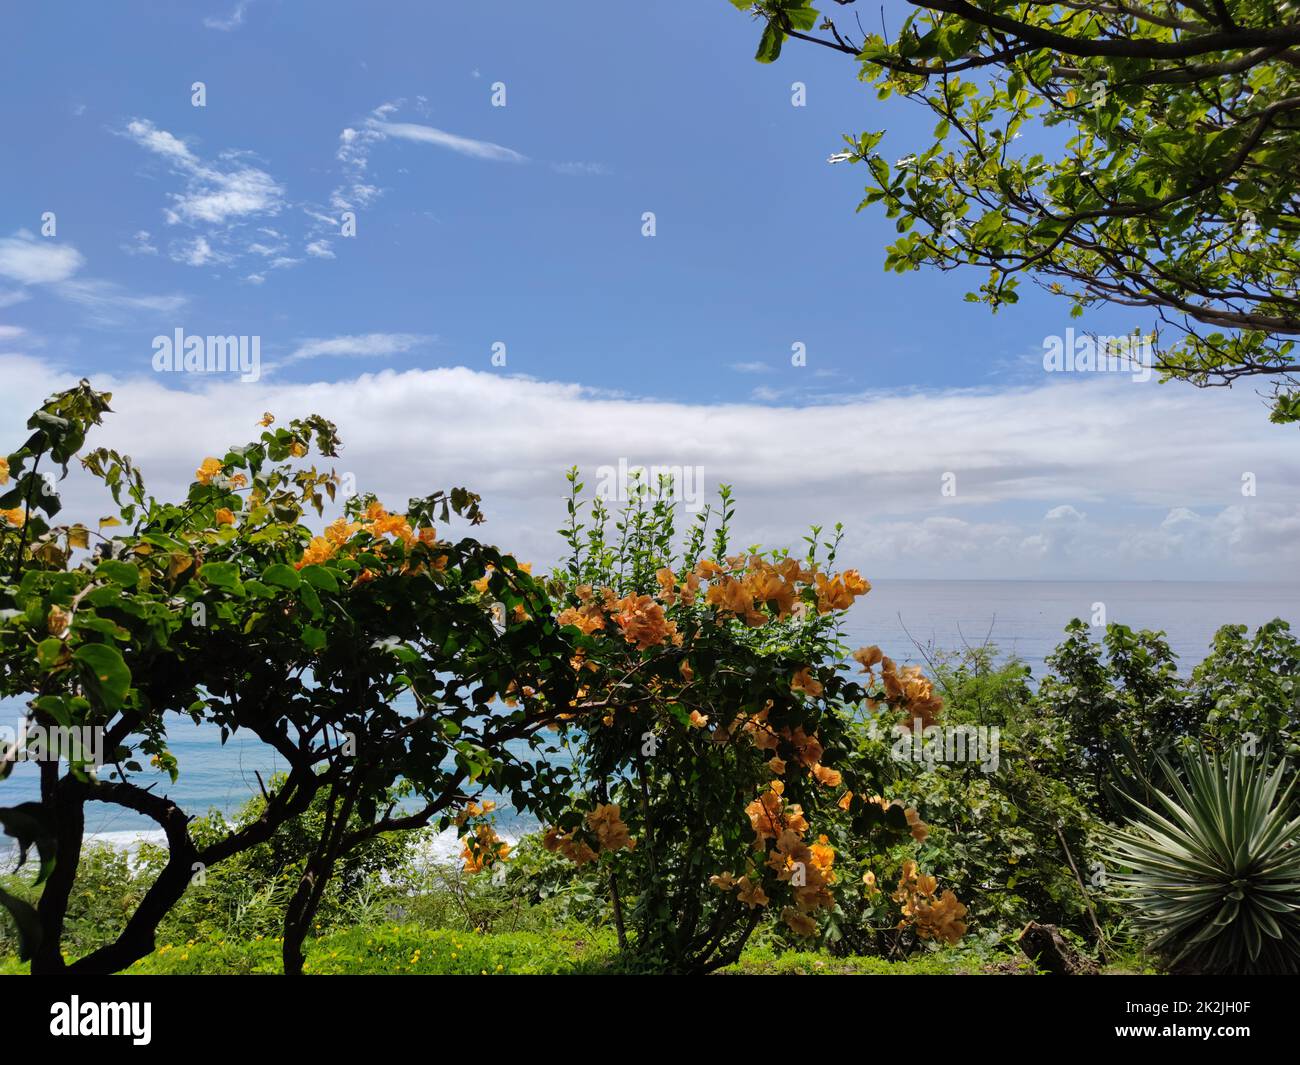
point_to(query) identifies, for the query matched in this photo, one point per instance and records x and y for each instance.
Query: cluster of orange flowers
(606, 821)
(211, 468)
(808, 750)
(934, 918)
(643, 622)
(907, 687)
(808, 868)
(376, 521)
(740, 587)
(482, 847)
(749, 888)
(639, 617)
(15, 517)
(748, 583)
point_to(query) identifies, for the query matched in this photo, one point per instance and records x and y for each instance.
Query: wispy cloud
(215, 192)
(476, 149)
(33, 261)
(367, 345)
(230, 22)
(577, 169)
(108, 303)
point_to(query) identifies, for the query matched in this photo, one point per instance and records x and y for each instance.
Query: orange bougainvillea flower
(868, 657)
(799, 923)
(482, 849)
(4, 471)
(607, 823)
(207, 470)
(224, 516)
(770, 815)
(723, 881)
(751, 893)
(14, 517)
(805, 682)
(340, 531)
(838, 593)
(832, 778)
(698, 720)
(643, 622)
(319, 550)
(729, 596)
(567, 844)
(588, 618)
(918, 828)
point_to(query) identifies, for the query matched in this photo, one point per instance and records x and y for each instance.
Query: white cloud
(215, 192)
(31, 260)
(476, 149)
(369, 345)
(232, 21)
(140, 244)
(320, 249)
(194, 252)
(1065, 512)
(1163, 494)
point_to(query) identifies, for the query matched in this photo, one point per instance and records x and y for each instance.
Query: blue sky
(522, 225)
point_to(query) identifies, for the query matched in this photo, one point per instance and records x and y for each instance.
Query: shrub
(1214, 876)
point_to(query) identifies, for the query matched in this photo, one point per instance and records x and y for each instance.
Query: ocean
(1026, 618)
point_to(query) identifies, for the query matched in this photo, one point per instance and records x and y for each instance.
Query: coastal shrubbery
(714, 769)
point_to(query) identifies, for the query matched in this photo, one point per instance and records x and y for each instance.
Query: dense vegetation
(717, 775)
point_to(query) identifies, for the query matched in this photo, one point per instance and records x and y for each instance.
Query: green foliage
(366, 659)
(1213, 872)
(1129, 154)
(713, 691)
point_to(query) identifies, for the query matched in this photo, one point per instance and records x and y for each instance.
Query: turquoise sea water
(1024, 617)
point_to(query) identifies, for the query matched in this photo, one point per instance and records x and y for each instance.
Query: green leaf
(769, 45)
(48, 652)
(282, 575)
(108, 676)
(319, 577)
(29, 925)
(220, 574)
(127, 574)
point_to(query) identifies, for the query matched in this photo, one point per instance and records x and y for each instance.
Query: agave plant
(1214, 877)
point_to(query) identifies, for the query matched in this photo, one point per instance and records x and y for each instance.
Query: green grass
(411, 950)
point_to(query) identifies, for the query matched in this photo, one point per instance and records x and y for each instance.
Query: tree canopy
(1136, 154)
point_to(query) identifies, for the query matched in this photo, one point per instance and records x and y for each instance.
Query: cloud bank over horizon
(1095, 479)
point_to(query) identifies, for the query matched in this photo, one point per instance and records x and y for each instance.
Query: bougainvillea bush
(711, 784)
